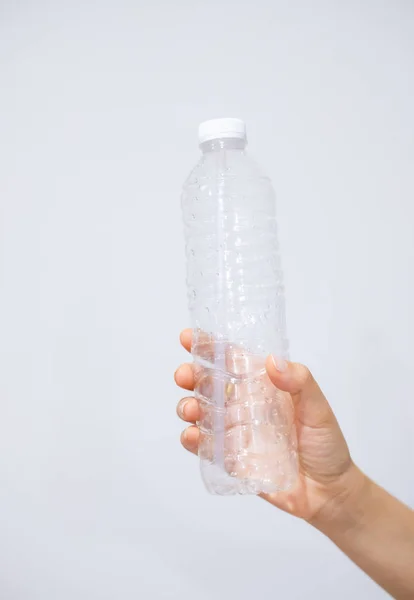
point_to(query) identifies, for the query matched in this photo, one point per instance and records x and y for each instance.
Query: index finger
(186, 338)
(204, 345)
(212, 349)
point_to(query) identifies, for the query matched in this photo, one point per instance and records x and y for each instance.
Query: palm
(323, 458)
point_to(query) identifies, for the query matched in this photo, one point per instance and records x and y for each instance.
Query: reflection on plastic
(247, 433)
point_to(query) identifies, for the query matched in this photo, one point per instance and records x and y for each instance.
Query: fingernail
(280, 364)
(181, 407)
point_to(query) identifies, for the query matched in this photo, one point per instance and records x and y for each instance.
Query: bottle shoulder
(226, 165)
(231, 175)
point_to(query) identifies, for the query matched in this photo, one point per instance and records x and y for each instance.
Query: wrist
(346, 509)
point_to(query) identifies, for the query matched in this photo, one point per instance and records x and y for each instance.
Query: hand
(372, 527)
(327, 473)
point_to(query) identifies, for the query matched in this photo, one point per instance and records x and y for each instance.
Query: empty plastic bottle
(236, 301)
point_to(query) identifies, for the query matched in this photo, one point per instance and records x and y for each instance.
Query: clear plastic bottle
(235, 293)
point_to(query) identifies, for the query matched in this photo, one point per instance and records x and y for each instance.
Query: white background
(99, 106)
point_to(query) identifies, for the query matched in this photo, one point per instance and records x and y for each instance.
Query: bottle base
(219, 483)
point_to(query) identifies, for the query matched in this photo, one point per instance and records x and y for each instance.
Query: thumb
(312, 408)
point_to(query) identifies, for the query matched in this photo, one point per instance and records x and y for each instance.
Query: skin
(372, 527)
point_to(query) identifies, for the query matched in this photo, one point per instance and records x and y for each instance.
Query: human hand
(327, 474)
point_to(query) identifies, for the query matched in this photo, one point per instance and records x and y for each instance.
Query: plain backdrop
(99, 108)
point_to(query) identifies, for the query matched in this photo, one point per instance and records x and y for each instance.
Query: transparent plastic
(236, 302)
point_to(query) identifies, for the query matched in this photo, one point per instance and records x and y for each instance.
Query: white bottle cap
(217, 129)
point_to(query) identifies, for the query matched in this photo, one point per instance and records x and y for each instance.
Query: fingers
(188, 409)
(184, 376)
(186, 337)
(190, 439)
(312, 408)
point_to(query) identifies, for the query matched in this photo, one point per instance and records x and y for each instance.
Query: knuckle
(305, 376)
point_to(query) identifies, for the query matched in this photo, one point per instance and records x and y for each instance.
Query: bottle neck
(223, 144)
